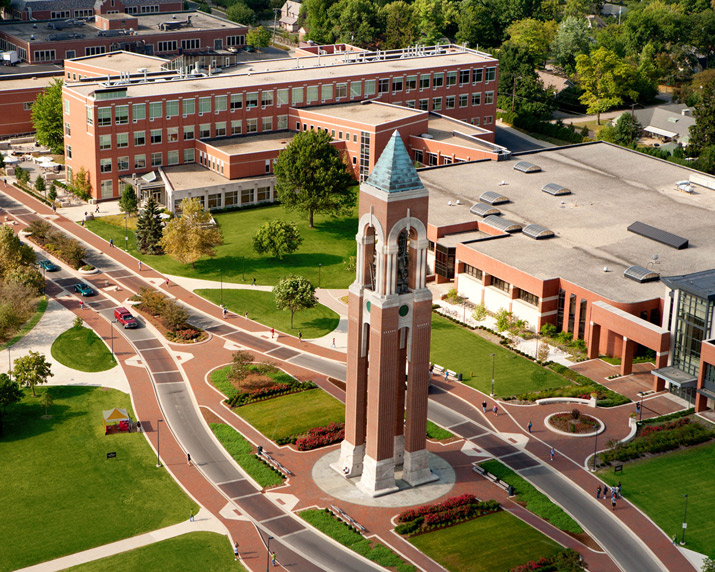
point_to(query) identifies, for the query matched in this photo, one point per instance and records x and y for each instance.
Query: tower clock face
(404, 310)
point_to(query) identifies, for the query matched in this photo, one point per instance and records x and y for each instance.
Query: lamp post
(595, 448)
(158, 441)
(222, 288)
(126, 234)
(685, 520)
(268, 552)
(319, 267)
(640, 407)
(111, 329)
(492, 393)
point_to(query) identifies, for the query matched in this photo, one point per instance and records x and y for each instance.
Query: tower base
(415, 470)
(350, 463)
(378, 477)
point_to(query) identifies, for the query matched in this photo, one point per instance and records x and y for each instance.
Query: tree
(354, 22)
(258, 37)
(128, 200)
(294, 293)
(46, 400)
(47, 117)
(40, 185)
(433, 19)
(13, 254)
(192, 235)
(149, 229)
(572, 38)
(400, 30)
(477, 25)
(317, 22)
(10, 393)
(279, 237)
(311, 176)
(240, 13)
(625, 131)
(239, 366)
(519, 86)
(32, 370)
(174, 314)
(702, 134)
(479, 313)
(708, 565)
(52, 193)
(606, 80)
(81, 185)
(535, 35)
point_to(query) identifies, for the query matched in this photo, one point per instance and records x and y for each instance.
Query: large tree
(294, 293)
(535, 35)
(355, 22)
(477, 24)
(47, 117)
(13, 253)
(572, 38)
(312, 177)
(519, 86)
(702, 134)
(400, 30)
(191, 235)
(10, 393)
(149, 229)
(32, 370)
(258, 37)
(240, 13)
(317, 22)
(128, 200)
(279, 237)
(625, 131)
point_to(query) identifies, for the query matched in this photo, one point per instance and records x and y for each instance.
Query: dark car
(48, 265)
(250, 49)
(83, 289)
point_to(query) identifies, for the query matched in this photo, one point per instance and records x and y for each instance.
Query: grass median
(27, 326)
(81, 349)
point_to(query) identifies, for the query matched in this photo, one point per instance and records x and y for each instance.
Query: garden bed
(183, 335)
(452, 511)
(574, 423)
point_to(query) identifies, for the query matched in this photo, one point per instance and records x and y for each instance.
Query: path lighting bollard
(158, 435)
(493, 356)
(268, 552)
(685, 520)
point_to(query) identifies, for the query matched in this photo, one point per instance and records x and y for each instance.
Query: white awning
(659, 131)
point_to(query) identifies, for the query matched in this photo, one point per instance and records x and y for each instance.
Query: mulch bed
(565, 422)
(159, 325)
(210, 416)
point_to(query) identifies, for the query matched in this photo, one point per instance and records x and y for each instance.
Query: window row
(140, 161)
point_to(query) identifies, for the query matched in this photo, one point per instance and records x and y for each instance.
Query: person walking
(598, 492)
(191, 515)
(618, 489)
(552, 452)
(167, 282)
(111, 243)
(254, 281)
(273, 331)
(223, 311)
(495, 409)
(530, 425)
(605, 492)
(613, 501)
(235, 550)
(273, 558)
(332, 345)
(300, 336)
(81, 304)
(484, 406)
(188, 459)
(140, 266)
(96, 210)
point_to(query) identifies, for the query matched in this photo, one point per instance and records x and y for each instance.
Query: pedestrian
(530, 425)
(273, 331)
(638, 408)
(618, 489)
(484, 406)
(82, 223)
(495, 409)
(245, 314)
(140, 266)
(85, 214)
(235, 550)
(188, 459)
(254, 281)
(223, 311)
(431, 368)
(598, 492)
(446, 375)
(96, 210)
(167, 282)
(614, 491)
(111, 243)
(273, 558)
(552, 453)
(81, 304)
(300, 336)
(54, 208)
(613, 502)
(333, 344)
(605, 492)
(191, 515)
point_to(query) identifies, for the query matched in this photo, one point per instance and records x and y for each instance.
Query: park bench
(271, 461)
(493, 478)
(342, 515)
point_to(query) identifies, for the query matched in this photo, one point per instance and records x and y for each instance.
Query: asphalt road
(514, 140)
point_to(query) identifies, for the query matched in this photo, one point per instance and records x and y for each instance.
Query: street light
(111, 329)
(222, 288)
(685, 520)
(158, 436)
(492, 394)
(640, 407)
(595, 449)
(319, 267)
(268, 552)
(126, 234)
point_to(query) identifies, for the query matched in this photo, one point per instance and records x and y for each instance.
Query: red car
(125, 318)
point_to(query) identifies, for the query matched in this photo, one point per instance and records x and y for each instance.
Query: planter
(550, 427)
(93, 271)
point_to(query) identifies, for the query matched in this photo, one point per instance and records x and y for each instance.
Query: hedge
(448, 512)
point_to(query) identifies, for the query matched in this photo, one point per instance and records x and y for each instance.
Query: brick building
(17, 94)
(66, 9)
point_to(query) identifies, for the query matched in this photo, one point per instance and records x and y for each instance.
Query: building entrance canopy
(676, 376)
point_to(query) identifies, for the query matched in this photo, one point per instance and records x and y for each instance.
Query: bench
(451, 373)
(493, 478)
(342, 515)
(437, 369)
(271, 461)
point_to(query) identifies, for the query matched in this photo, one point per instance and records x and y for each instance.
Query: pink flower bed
(321, 437)
(465, 500)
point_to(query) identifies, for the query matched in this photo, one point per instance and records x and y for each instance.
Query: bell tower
(389, 325)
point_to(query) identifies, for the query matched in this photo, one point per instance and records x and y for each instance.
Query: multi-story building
(127, 126)
(17, 94)
(66, 9)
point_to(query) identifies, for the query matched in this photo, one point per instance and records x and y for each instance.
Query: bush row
(451, 511)
(669, 417)
(170, 312)
(659, 439)
(58, 243)
(269, 391)
(567, 559)
(321, 437)
(32, 193)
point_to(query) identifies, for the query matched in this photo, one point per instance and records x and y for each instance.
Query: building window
(234, 40)
(189, 155)
(94, 50)
(140, 161)
(214, 201)
(204, 130)
(230, 198)
(107, 188)
(411, 82)
(297, 95)
(121, 114)
(418, 156)
(156, 159)
(221, 129)
(383, 85)
(155, 110)
(90, 116)
(491, 74)
(220, 102)
(693, 325)
(410, 104)
(105, 165)
(266, 98)
(70, 54)
(444, 261)
(424, 104)
(449, 102)
(194, 44)
(172, 157)
(204, 105)
(341, 90)
(263, 194)
(282, 122)
(188, 132)
(60, 14)
(139, 138)
(172, 108)
(44, 56)
(477, 75)
(251, 125)
(473, 272)
(104, 116)
(66, 106)
(488, 98)
(267, 123)
(68, 151)
(488, 120)
(438, 80)
(476, 99)
(123, 164)
(246, 196)
(463, 77)
(582, 319)
(155, 136)
(572, 312)
(236, 127)
(236, 101)
(166, 46)
(188, 106)
(528, 297)
(355, 88)
(282, 96)
(138, 112)
(251, 100)
(463, 100)
(436, 103)
(451, 78)
(500, 284)
(311, 94)
(432, 159)
(396, 84)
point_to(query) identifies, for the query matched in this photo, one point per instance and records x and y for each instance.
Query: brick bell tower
(389, 325)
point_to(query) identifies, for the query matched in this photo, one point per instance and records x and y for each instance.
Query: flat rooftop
(612, 188)
(147, 25)
(369, 113)
(15, 83)
(252, 143)
(193, 175)
(121, 62)
(446, 129)
(292, 71)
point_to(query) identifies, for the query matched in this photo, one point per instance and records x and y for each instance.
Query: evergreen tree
(149, 230)
(128, 200)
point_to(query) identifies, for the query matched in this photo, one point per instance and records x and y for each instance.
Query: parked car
(48, 265)
(125, 318)
(83, 289)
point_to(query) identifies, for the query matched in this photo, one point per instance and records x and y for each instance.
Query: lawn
(513, 374)
(313, 323)
(63, 493)
(328, 244)
(193, 551)
(293, 414)
(510, 543)
(83, 350)
(27, 326)
(657, 486)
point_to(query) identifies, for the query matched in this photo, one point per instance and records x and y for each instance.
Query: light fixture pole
(319, 267)
(111, 329)
(685, 520)
(126, 234)
(268, 552)
(158, 441)
(222, 288)
(595, 448)
(492, 393)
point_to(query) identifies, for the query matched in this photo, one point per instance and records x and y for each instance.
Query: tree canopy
(10, 393)
(279, 237)
(47, 117)
(311, 176)
(625, 131)
(258, 37)
(128, 200)
(573, 37)
(702, 134)
(294, 293)
(149, 229)
(191, 235)
(32, 370)
(240, 13)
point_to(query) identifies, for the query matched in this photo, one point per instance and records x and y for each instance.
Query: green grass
(27, 326)
(657, 486)
(513, 374)
(313, 323)
(436, 432)
(219, 379)
(293, 414)
(63, 494)
(342, 533)
(535, 501)
(328, 244)
(242, 452)
(83, 350)
(506, 542)
(193, 551)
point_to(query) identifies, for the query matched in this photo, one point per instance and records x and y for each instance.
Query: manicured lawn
(461, 350)
(313, 323)
(82, 349)
(63, 493)
(502, 542)
(332, 240)
(657, 486)
(193, 551)
(436, 432)
(27, 326)
(242, 452)
(293, 414)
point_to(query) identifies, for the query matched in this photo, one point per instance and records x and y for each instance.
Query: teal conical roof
(394, 171)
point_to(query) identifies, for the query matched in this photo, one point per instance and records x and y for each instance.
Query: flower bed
(451, 511)
(574, 422)
(565, 560)
(269, 391)
(321, 437)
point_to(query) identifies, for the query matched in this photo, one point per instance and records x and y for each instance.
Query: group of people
(614, 492)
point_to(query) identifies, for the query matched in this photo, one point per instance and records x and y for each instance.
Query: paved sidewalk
(203, 521)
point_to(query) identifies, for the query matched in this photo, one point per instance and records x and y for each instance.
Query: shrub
(87, 267)
(173, 314)
(152, 300)
(450, 511)
(321, 437)
(240, 365)
(39, 228)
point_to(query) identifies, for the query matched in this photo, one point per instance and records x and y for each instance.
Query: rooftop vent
(483, 210)
(526, 167)
(555, 190)
(502, 224)
(537, 232)
(493, 198)
(640, 274)
(667, 238)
